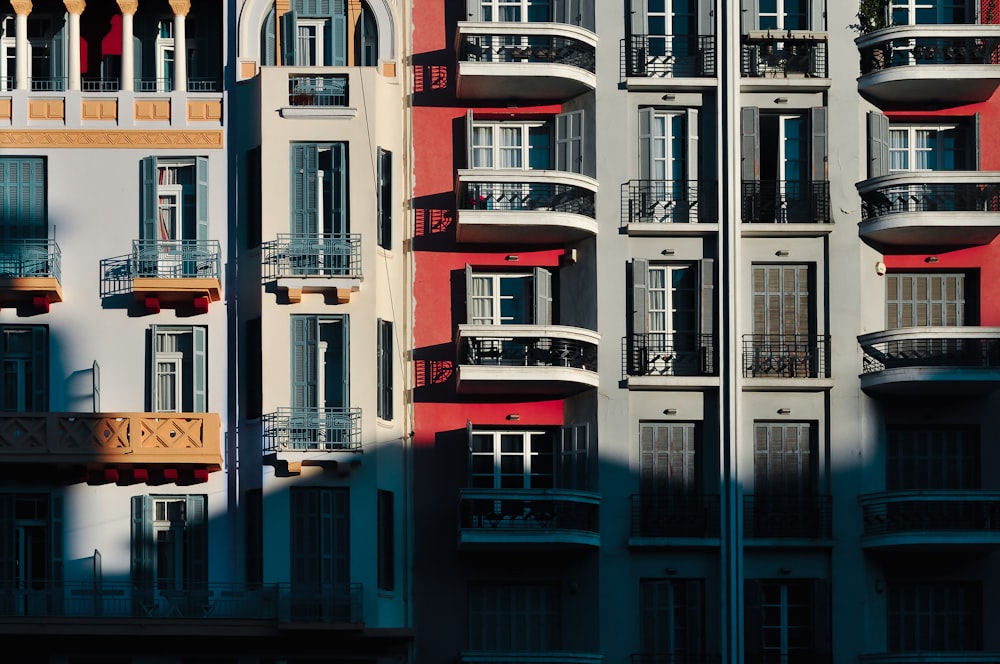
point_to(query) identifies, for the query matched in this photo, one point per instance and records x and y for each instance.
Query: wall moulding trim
(111, 139)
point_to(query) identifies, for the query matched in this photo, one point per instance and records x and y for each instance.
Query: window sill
(318, 112)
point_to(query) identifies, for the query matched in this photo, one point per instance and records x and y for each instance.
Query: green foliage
(872, 15)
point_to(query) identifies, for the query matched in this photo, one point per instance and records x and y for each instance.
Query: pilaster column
(75, 9)
(181, 9)
(128, 8)
(21, 8)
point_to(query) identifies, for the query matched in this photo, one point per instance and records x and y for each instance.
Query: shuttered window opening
(671, 616)
(31, 550)
(23, 202)
(784, 458)
(668, 458)
(385, 347)
(24, 361)
(782, 304)
(320, 553)
(178, 375)
(514, 617)
(938, 617)
(169, 547)
(320, 352)
(940, 459)
(787, 621)
(915, 300)
(314, 33)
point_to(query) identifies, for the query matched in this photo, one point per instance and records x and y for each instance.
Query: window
(668, 458)
(508, 617)
(319, 188)
(574, 461)
(314, 34)
(384, 199)
(929, 12)
(509, 298)
(24, 358)
(514, 10)
(320, 553)
(169, 547)
(386, 541)
(785, 467)
(787, 622)
(31, 550)
(784, 165)
(178, 375)
(319, 362)
(944, 459)
(784, 341)
(24, 203)
(541, 459)
(174, 216)
(938, 617)
(527, 144)
(668, 163)
(784, 15)
(671, 617)
(920, 299)
(673, 317)
(385, 375)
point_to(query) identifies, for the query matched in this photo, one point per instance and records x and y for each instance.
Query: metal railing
(30, 258)
(907, 48)
(509, 510)
(933, 511)
(660, 354)
(786, 201)
(930, 197)
(669, 201)
(176, 259)
(524, 350)
(283, 602)
(100, 85)
(308, 90)
(931, 351)
(669, 56)
(498, 48)
(785, 356)
(312, 430)
(784, 58)
(203, 85)
(312, 255)
(167, 85)
(54, 84)
(799, 516)
(675, 658)
(675, 515)
(526, 196)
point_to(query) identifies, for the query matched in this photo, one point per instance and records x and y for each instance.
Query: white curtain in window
(482, 301)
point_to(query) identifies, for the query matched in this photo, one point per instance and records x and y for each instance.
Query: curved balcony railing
(931, 512)
(668, 56)
(930, 347)
(312, 255)
(669, 201)
(30, 258)
(660, 354)
(792, 516)
(524, 43)
(539, 511)
(786, 202)
(526, 345)
(312, 430)
(918, 192)
(675, 515)
(524, 196)
(785, 356)
(766, 56)
(176, 259)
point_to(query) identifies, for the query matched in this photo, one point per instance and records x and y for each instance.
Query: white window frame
(672, 297)
(496, 298)
(165, 54)
(526, 454)
(496, 147)
(169, 532)
(779, 15)
(8, 57)
(911, 149)
(313, 45)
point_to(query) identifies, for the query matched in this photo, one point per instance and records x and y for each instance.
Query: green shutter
(40, 369)
(305, 166)
(152, 369)
(289, 39)
(196, 542)
(543, 296)
(199, 379)
(22, 188)
(142, 544)
(268, 41)
(57, 56)
(337, 44)
(339, 207)
(150, 201)
(201, 205)
(750, 142)
(304, 382)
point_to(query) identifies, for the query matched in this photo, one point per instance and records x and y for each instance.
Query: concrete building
(681, 394)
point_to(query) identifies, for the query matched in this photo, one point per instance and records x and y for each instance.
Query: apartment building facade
(703, 364)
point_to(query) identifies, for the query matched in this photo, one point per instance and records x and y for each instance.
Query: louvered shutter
(691, 158)
(56, 514)
(304, 378)
(289, 39)
(153, 381)
(543, 296)
(750, 143)
(199, 371)
(305, 166)
(640, 300)
(878, 144)
(268, 56)
(57, 56)
(142, 545)
(340, 546)
(39, 398)
(196, 542)
(337, 44)
(339, 204)
(818, 126)
(150, 200)
(706, 304)
(646, 142)
(201, 203)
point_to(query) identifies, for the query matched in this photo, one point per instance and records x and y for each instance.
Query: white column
(181, 8)
(128, 9)
(21, 45)
(74, 51)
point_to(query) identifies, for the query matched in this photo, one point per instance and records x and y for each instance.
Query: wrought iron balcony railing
(507, 196)
(525, 349)
(785, 356)
(778, 57)
(100, 84)
(176, 259)
(660, 354)
(916, 347)
(312, 430)
(792, 516)
(931, 511)
(669, 201)
(912, 46)
(284, 602)
(920, 196)
(508, 510)
(30, 258)
(52, 84)
(786, 202)
(675, 515)
(669, 56)
(507, 48)
(167, 85)
(312, 255)
(307, 90)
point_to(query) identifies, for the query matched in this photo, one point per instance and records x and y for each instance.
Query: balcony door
(671, 619)
(930, 12)
(511, 460)
(319, 549)
(668, 163)
(24, 354)
(319, 210)
(169, 554)
(30, 553)
(320, 378)
(787, 621)
(784, 321)
(174, 217)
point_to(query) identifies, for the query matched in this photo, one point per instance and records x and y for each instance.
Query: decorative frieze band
(111, 139)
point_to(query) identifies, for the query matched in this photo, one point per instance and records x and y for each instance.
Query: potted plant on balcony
(872, 15)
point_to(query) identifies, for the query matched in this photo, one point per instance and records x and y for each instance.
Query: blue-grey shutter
(750, 143)
(707, 302)
(289, 39)
(543, 296)
(196, 542)
(305, 165)
(751, 17)
(40, 368)
(646, 143)
(201, 204)
(152, 369)
(640, 303)
(304, 379)
(339, 208)
(142, 545)
(691, 158)
(199, 379)
(818, 125)
(878, 144)
(337, 44)
(56, 535)
(150, 201)
(22, 188)
(137, 73)
(268, 40)
(57, 57)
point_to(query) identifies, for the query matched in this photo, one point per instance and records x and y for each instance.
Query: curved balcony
(537, 61)
(931, 520)
(494, 519)
(30, 274)
(551, 360)
(931, 360)
(929, 210)
(668, 517)
(528, 657)
(938, 657)
(326, 263)
(657, 61)
(525, 206)
(929, 65)
(653, 207)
